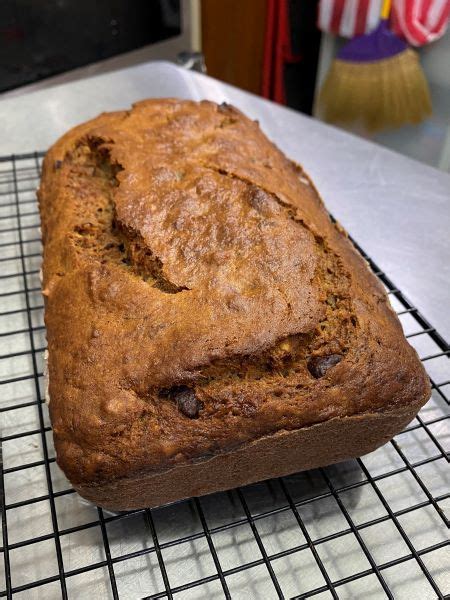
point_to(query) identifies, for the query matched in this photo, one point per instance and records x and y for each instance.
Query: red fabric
(268, 46)
(336, 15)
(418, 21)
(277, 50)
(361, 17)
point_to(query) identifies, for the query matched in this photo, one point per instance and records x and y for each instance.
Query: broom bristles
(385, 93)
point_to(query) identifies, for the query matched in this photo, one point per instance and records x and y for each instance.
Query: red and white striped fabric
(348, 18)
(418, 21)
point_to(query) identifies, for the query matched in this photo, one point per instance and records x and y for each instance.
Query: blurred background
(283, 50)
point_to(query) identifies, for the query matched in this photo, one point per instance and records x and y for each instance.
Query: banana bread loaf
(208, 325)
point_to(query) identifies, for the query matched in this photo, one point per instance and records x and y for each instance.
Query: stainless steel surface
(399, 211)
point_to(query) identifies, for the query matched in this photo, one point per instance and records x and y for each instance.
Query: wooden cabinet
(233, 41)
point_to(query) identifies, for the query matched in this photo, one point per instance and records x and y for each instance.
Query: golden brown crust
(279, 454)
(194, 285)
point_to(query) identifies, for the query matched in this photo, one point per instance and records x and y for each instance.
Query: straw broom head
(377, 81)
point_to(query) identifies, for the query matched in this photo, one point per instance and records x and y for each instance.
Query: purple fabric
(380, 43)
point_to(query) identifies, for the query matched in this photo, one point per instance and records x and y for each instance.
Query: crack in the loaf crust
(290, 208)
(288, 357)
(101, 234)
(111, 242)
(145, 263)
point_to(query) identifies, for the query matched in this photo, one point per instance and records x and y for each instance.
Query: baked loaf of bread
(208, 324)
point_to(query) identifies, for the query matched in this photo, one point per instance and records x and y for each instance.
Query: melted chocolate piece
(186, 401)
(58, 164)
(319, 365)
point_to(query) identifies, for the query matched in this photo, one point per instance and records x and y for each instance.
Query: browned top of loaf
(198, 295)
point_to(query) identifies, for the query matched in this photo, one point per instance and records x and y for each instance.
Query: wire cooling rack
(370, 528)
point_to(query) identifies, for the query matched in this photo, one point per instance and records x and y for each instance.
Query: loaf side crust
(277, 455)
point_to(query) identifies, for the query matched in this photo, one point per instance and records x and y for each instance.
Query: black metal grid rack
(375, 527)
